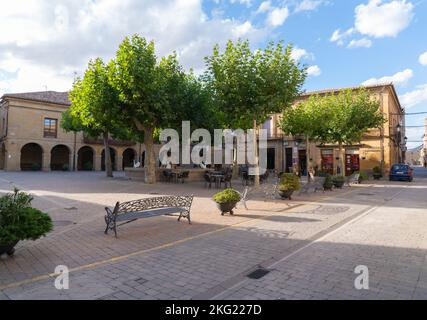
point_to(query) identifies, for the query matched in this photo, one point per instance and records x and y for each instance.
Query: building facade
(31, 137)
(423, 156)
(379, 147)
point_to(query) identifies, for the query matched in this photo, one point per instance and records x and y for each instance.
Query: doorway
(271, 158)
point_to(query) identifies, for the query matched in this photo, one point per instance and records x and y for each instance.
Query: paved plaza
(309, 246)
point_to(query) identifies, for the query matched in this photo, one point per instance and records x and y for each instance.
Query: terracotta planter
(9, 249)
(328, 187)
(339, 184)
(286, 194)
(226, 207)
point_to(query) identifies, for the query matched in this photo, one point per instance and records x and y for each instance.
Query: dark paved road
(420, 172)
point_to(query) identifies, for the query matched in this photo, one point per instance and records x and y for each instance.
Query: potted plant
(328, 184)
(362, 176)
(288, 184)
(19, 221)
(65, 167)
(226, 200)
(338, 181)
(377, 173)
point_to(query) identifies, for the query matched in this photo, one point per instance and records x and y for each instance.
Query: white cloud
(298, 54)
(308, 5)
(242, 30)
(339, 36)
(398, 79)
(48, 40)
(264, 7)
(314, 71)
(415, 97)
(277, 16)
(365, 43)
(248, 3)
(378, 19)
(423, 59)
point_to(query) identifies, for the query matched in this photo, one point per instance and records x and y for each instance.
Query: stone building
(423, 156)
(31, 137)
(379, 147)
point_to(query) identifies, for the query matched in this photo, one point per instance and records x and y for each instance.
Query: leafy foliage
(328, 182)
(334, 118)
(19, 221)
(289, 181)
(251, 85)
(151, 93)
(228, 195)
(94, 106)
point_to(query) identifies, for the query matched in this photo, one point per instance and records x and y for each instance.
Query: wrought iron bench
(315, 184)
(130, 211)
(354, 178)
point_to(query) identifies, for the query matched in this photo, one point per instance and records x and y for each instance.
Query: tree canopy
(95, 106)
(251, 85)
(340, 118)
(248, 86)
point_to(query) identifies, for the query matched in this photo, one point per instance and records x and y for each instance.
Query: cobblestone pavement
(311, 244)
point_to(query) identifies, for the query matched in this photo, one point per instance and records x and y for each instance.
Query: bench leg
(181, 215)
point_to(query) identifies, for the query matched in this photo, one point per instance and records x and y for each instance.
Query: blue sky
(43, 44)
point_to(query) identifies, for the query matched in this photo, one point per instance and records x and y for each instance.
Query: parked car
(401, 172)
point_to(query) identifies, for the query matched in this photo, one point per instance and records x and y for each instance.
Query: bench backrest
(354, 177)
(152, 203)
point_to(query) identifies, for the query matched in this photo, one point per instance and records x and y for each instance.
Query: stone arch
(60, 158)
(129, 155)
(85, 159)
(113, 154)
(31, 157)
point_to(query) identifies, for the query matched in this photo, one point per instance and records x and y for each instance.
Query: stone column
(70, 162)
(119, 163)
(46, 161)
(97, 162)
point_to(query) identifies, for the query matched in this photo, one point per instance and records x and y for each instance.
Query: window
(50, 127)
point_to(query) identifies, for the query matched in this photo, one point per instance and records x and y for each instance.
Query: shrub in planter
(88, 166)
(328, 184)
(227, 200)
(338, 181)
(36, 166)
(19, 221)
(377, 173)
(288, 184)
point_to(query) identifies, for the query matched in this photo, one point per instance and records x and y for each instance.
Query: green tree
(340, 118)
(95, 105)
(149, 91)
(71, 124)
(248, 86)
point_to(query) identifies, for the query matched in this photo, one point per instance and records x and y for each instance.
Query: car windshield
(397, 167)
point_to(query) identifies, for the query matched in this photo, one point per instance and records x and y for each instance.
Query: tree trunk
(256, 178)
(342, 160)
(150, 162)
(307, 143)
(107, 156)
